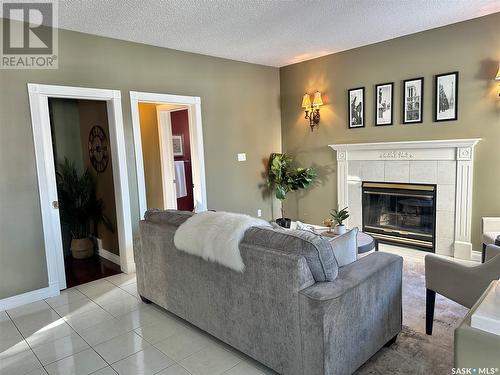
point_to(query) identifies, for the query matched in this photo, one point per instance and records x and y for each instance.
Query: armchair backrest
(492, 251)
(490, 224)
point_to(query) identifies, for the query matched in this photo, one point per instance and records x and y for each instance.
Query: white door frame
(40, 120)
(193, 105)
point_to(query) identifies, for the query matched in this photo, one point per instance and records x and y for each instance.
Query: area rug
(414, 352)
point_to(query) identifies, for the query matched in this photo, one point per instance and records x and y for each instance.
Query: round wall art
(98, 149)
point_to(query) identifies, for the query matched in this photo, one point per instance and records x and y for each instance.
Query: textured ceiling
(268, 32)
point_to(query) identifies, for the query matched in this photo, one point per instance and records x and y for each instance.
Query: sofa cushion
(345, 247)
(172, 217)
(314, 248)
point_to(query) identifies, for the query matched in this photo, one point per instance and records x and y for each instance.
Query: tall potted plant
(284, 177)
(80, 209)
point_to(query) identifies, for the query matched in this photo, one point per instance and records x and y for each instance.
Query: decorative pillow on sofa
(345, 247)
(315, 249)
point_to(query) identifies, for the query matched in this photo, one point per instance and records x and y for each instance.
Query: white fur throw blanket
(216, 236)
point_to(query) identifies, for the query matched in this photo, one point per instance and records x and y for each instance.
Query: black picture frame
(391, 105)
(446, 97)
(360, 109)
(404, 119)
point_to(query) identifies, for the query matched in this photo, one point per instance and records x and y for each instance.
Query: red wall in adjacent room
(180, 126)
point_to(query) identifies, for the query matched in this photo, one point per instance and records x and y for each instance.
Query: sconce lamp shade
(317, 101)
(306, 101)
(497, 78)
(312, 111)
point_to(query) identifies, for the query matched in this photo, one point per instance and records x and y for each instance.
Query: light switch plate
(242, 156)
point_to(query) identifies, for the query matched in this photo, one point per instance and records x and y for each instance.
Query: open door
(167, 158)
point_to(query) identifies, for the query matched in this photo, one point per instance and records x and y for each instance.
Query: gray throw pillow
(316, 250)
(345, 247)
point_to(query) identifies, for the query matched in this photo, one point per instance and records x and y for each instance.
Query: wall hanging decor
(356, 107)
(178, 145)
(98, 149)
(413, 100)
(446, 97)
(384, 94)
(497, 77)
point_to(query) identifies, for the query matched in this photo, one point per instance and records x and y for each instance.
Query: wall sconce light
(497, 78)
(312, 110)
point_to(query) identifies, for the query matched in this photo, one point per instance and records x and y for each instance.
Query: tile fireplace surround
(446, 163)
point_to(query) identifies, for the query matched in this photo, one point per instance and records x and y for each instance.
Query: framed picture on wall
(446, 97)
(384, 94)
(178, 145)
(413, 100)
(356, 109)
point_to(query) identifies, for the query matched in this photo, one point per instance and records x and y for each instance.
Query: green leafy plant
(340, 215)
(81, 211)
(283, 177)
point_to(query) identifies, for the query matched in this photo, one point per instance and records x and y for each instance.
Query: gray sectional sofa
(292, 309)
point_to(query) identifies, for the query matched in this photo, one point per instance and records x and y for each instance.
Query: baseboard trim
(476, 256)
(462, 250)
(109, 256)
(130, 268)
(24, 298)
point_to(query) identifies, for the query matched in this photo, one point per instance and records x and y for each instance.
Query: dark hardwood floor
(81, 271)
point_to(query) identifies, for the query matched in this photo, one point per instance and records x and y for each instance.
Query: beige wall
(66, 135)
(151, 154)
(240, 112)
(472, 48)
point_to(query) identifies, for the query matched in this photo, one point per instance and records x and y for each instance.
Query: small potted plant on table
(340, 216)
(283, 178)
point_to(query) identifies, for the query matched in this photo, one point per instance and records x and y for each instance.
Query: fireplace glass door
(403, 214)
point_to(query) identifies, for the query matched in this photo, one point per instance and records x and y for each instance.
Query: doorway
(169, 151)
(179, 123)
(110, 100)
(85, 189)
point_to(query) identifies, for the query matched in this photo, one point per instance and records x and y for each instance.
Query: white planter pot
(339, 229)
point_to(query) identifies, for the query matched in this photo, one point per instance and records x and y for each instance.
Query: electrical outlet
(259, 212)
(242, 156)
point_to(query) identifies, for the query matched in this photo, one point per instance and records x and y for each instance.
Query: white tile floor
(103, 328)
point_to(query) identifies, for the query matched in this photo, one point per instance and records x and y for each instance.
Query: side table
(475, 348)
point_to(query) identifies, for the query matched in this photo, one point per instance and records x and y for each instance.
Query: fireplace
(445, 165)
(399, 213)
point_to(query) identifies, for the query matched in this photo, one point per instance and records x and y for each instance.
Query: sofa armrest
(346, 321)
(491, 252)
(351, 275)
(490, 224)
(461, 283)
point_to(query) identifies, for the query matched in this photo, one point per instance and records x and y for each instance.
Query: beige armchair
(490, 229)
(461, 283)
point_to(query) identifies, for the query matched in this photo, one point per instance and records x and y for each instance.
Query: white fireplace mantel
(458, 151)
